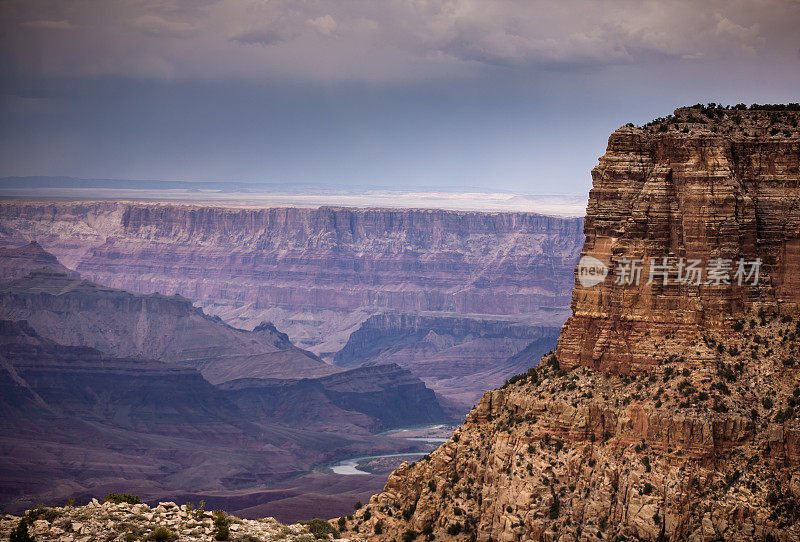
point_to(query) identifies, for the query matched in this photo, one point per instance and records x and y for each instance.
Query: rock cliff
(458, 356)
(17, 262)
(702, 185)
(671, 410)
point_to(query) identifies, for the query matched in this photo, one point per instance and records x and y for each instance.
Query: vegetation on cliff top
(753, 120)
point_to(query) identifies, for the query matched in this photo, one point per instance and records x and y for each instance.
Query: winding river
(348, 466)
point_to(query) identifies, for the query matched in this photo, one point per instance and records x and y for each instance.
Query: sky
(505, 95)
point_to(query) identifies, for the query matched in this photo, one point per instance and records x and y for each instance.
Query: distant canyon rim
(452, 296)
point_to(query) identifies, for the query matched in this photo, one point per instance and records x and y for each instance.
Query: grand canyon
(297, 338)
(399, 271)
(669, 410)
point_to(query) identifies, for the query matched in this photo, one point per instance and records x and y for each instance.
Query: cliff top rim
(244, 206)
(753, 121)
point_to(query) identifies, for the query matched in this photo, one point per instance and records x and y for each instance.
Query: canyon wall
(459, 357)
(671, 410)
(315, 273)
(319, 274)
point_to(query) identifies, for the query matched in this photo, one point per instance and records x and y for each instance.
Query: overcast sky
(511, 95)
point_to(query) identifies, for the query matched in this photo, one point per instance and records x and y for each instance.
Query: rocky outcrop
(122, 522)
(670, 412)
(17, 262)
(704, 184)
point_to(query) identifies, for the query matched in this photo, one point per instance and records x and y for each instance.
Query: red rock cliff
(727, 186)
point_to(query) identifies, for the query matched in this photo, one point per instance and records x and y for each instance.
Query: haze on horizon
(508, 95)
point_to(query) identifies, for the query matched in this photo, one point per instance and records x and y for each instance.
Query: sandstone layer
(704, 184)
(669, 412)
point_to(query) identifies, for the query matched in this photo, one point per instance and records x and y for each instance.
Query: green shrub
(378, 528)
(454, 529)
(766, 402)
(342, 524)
(555, 507)
(321, 528)
(222, 525)
(772, 498)
(409, 535)
(42, 512)
(117, 498)
(20, 532)
(162, 534)
(200, 511)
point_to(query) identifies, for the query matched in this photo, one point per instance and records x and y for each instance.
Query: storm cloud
(395, 40)
(430, 91)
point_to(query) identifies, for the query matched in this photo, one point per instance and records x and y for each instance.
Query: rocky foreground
(683, 452)
(123, 521)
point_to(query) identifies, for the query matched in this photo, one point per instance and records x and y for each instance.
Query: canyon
(77, 422)
(104, 378)
(325, 275)
(671, 407)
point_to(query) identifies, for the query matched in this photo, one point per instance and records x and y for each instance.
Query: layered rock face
(670, 412)
(319, 274)
(711, 184)
(459, 357)
(18, 262)
(386, 396)
(316, 273)
(77, 312)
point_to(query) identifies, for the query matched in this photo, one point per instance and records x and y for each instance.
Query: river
(348, 466)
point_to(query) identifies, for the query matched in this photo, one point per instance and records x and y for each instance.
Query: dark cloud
(516, 94)
(355, 40)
